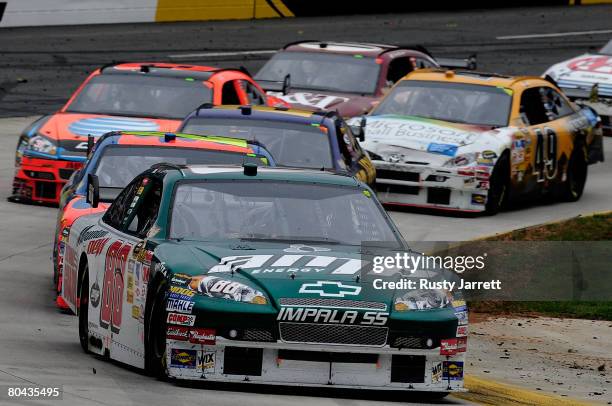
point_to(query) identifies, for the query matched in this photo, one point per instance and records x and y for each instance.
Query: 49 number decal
(112, 287)
(545, 166)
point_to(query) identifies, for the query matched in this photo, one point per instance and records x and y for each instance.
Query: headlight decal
(214, 286)
(422, 300)
(43, 145)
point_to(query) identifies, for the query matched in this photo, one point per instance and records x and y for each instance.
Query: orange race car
(118, 157)
(128, 96)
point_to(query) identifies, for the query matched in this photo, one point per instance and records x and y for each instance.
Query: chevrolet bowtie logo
(330, 289)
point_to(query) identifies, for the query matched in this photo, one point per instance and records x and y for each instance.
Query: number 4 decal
(545, 166)
(112, 287)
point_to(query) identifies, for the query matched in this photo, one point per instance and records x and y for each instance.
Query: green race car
(247, 274)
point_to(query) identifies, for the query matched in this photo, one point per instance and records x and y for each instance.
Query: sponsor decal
(330, 289)
(182, 291)
(181, 319)
(180, 306)
(462, 317)
(319, 101)
(479, 199)
(180, 279)
(177, 333)
(462, 344)
(518, 156)
(436, 372)
(301, 248)
(204, 336)
(95, 247)
(183, 358)
(206, 362)
(452, 370)
(442, 149)
(130, 284)
(137, 312)
(89, 234)
(484, 185)
(448, 346)
(488, 154)
(462, 331)
(94, 295)
(113, 284)
(290, 263)
(458, 303)
(417, 131)
(331, 316)
(594, 63)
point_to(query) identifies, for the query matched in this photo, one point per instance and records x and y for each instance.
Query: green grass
(592, 228)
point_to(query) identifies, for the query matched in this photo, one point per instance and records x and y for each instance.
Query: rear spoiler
(469, 63)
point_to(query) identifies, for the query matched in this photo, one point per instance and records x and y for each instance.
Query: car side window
(116, 213)
(229, 94)
(254, 96)
(422, 63)
(147, 201)
(532, 108)
(398, 68)
(555, 104)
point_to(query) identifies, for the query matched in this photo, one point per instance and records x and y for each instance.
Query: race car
(343, 76)
(126, 96)
(118, 157)
(587, 79)
(296, 138)
(473, 142)
(254, 275)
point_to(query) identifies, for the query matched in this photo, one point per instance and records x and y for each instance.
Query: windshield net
(141, 96)
(322, 71)
(291, 144)
(455, 102)
(270, 210)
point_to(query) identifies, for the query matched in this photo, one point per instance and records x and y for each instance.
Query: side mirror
(286, 84)
(359, 130)
(93, 190)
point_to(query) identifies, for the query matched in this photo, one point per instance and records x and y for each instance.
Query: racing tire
(84, 310)
(155, 327)
(499, 183)
(577, 170)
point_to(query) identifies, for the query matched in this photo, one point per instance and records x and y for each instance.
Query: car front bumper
(41, 180)
(445, 188)
(316, 365)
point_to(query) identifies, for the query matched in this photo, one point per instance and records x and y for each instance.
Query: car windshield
(291, 144)
(277, 211)
(118, 165)
(607, 49)
(141, 96)
(455, 102)
(322, 71)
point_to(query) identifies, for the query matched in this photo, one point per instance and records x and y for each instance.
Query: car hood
(72, 129)
(405, 138)
(281, 270)
(347, 104)
(584, 69)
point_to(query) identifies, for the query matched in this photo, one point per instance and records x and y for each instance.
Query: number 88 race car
(204, 276)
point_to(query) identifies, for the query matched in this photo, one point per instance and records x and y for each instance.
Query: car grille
(399, 175)
(353, 304)
(414, 342)
(65, 173)
(252, 334)
(333, 334)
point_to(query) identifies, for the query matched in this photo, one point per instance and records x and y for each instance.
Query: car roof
(262, 113)
(469, 77)
(349, 48)
(227, 172)
(197, 72)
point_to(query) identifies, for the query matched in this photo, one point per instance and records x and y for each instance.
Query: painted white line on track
(213, 54)
(555, 34)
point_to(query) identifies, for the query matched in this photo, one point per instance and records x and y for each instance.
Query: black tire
(577, 170)
(155, 328)
(499, 183)
(84, 310)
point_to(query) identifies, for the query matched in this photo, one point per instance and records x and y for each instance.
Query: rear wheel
(498, 185)
(84, 310)
(155, 344)
(577, 168)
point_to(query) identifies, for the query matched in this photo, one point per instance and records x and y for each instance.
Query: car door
(548, 141)
(123, 270)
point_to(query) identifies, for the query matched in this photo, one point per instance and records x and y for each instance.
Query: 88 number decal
(112, 286)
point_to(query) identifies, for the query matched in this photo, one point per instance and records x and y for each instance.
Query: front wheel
(84, 310)
(577, 168)
(155, 344)
(498, 185)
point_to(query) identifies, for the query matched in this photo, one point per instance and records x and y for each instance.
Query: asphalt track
(42, 66)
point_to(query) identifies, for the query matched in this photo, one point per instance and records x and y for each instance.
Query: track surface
(38, 344)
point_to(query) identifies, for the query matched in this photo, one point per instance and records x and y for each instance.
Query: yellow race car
(469, 141)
